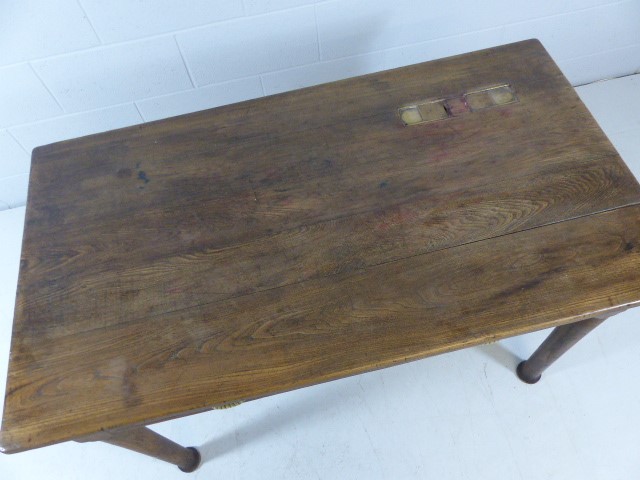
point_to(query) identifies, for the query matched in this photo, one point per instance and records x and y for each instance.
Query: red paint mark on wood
(395, 218)
(457, 106)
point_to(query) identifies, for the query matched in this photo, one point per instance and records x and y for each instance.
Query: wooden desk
(265, 246)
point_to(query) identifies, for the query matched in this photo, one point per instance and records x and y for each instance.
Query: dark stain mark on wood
(523, 287)
(130, 389)
(143, 176)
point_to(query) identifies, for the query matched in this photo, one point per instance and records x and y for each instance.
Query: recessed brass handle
(424, 112)
(490, 97)
(454, 106)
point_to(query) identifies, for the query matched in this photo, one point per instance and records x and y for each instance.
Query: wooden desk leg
(148, 442)
(557, 343)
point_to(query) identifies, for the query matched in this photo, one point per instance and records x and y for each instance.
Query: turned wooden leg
(557, 343)
(148, 442)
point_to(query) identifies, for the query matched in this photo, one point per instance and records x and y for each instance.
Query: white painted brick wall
(16, 160)
(116, 21)
(115, 74)
(39, 28)
(74, 125)
(249, 46)
(23, 97)
(74, 67)
(200, 98)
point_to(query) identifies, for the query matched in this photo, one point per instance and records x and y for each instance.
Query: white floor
(462, 415)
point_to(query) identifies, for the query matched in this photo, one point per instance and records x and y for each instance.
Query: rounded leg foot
(524, 376)
(196, 461)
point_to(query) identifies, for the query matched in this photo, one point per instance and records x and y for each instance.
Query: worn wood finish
(555, 345)
(148, 442)
(273, 244)
(330, 327)
(204, 274)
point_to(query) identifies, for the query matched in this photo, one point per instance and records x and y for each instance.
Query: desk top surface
(269, 245)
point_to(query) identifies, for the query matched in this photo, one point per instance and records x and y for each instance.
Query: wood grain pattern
(201, 275)
(324, 328)
(264, 246)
